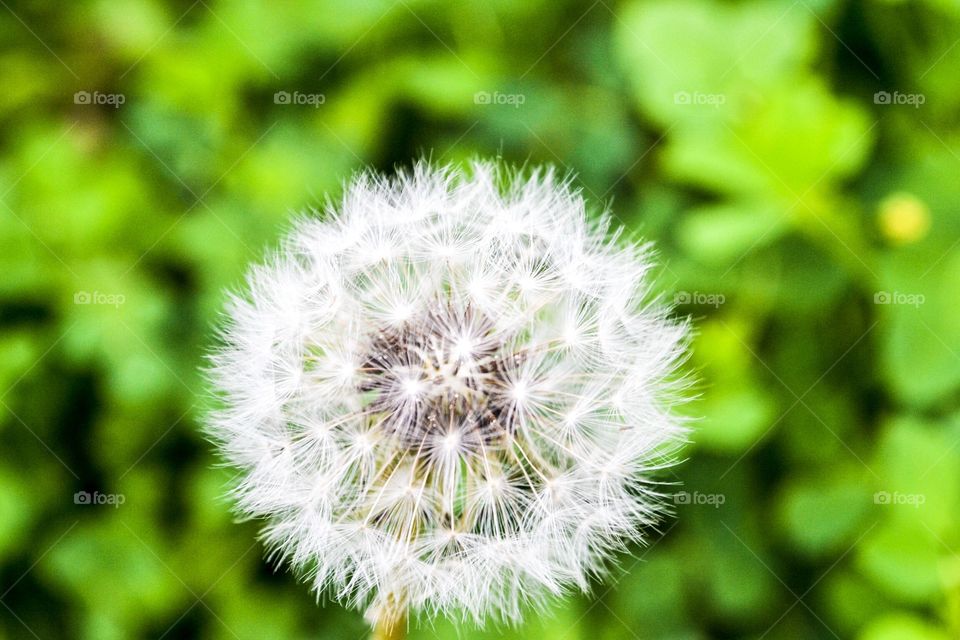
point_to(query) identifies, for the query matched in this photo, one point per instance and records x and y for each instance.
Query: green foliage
(795, 163)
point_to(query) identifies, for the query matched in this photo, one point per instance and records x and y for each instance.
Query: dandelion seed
(449, 396)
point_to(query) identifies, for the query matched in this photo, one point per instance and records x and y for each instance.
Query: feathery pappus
(449, 393)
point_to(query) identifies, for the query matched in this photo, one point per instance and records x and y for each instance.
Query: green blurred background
(796, 162)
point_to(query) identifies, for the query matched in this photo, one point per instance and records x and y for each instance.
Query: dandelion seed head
(449, 394)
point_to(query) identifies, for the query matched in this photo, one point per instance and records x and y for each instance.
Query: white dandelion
(449, 394)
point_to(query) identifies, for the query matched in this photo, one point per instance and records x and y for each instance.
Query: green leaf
(822, 514)
(723, 233)
(902, 626)
(917, 306)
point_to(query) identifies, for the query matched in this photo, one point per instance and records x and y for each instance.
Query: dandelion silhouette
(448, 395)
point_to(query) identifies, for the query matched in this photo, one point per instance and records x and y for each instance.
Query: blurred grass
(796, 163)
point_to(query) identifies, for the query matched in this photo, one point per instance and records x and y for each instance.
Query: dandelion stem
(390, 628)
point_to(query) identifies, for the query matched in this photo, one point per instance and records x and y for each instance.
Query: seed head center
(435, 378)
